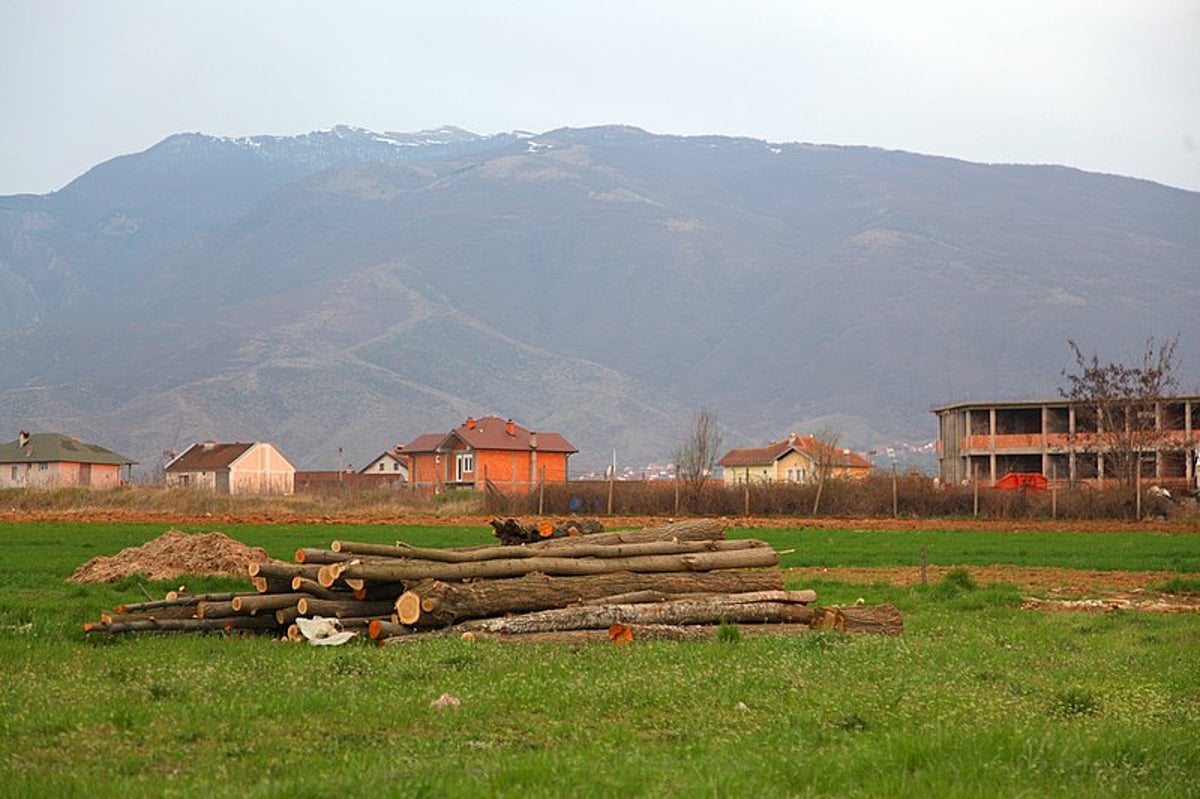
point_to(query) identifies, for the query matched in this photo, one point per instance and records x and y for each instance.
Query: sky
(1100, 85)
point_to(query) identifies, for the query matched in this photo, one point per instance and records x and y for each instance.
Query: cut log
(380, 628)
(285, 616)
(180, 600)
(321, 556)
(277, 569)
(751, 610)
(315, 589)
(402, 570)
(511, 532)
(253, 605)
(439, 603)
(882, 619)
(346, 608)
(271, 585)
(169, 612)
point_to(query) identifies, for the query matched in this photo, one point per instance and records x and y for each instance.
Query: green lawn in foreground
(977, 698)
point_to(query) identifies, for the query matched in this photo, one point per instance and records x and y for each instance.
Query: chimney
(532, 440)
(22, 439)
(470, 423)
(510, 427)
(209, 445)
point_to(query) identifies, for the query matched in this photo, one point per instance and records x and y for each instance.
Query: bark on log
(345, 608)
(401, 571)
(441, 603)
(169, 612)
(285, 616)
(731, 609)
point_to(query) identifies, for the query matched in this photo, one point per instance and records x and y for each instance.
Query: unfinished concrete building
(1060, 440)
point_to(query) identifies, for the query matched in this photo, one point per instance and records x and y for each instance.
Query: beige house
(393, 464)
(796, 459)
(235, 469)
(54, 459)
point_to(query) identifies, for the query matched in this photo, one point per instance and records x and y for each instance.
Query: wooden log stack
(678, 581)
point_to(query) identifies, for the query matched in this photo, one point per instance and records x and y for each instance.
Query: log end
(408, 608)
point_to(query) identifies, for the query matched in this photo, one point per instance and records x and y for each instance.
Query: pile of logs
(678, 581)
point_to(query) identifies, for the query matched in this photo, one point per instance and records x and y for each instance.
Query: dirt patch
(172, 554)
(1077, 590)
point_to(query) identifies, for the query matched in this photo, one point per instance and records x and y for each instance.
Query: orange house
(485, 450)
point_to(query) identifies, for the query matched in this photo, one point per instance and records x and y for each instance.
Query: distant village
(1018, 444)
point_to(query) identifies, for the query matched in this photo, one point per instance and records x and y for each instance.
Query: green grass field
(977, 698)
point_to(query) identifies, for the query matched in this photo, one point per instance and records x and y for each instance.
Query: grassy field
(977, 698)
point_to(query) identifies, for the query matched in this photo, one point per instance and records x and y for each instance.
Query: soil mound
(172, 554)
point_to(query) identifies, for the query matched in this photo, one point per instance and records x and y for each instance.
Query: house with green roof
(56, 459)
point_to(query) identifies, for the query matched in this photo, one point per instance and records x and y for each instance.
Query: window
(396, 466)
(14, 473)
(381, 466)
(43, 467)
(464, 464)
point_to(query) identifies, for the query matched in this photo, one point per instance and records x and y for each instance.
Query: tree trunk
(400, 571)
(432, 603)
(710, 610)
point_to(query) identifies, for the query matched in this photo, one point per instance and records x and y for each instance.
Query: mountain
(348, 289)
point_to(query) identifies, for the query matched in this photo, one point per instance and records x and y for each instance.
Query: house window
(14, 472)
(381, 466)
(396, 466)
(43, 467)
(464, 464)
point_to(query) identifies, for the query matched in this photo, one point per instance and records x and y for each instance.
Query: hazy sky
(1096, 84)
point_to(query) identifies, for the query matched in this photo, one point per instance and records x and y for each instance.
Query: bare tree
(1119, 405)
(825, 460)
(697, 456)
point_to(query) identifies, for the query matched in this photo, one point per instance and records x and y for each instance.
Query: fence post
(746, 499)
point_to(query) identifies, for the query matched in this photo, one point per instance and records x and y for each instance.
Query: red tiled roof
(813, 448)
(493, 433)
(207, 457)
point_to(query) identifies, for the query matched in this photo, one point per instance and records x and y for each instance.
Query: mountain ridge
(637, 277)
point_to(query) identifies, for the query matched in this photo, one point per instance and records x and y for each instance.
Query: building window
(381, 466)
(14, 473)
(396, 466)
(43, 467)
